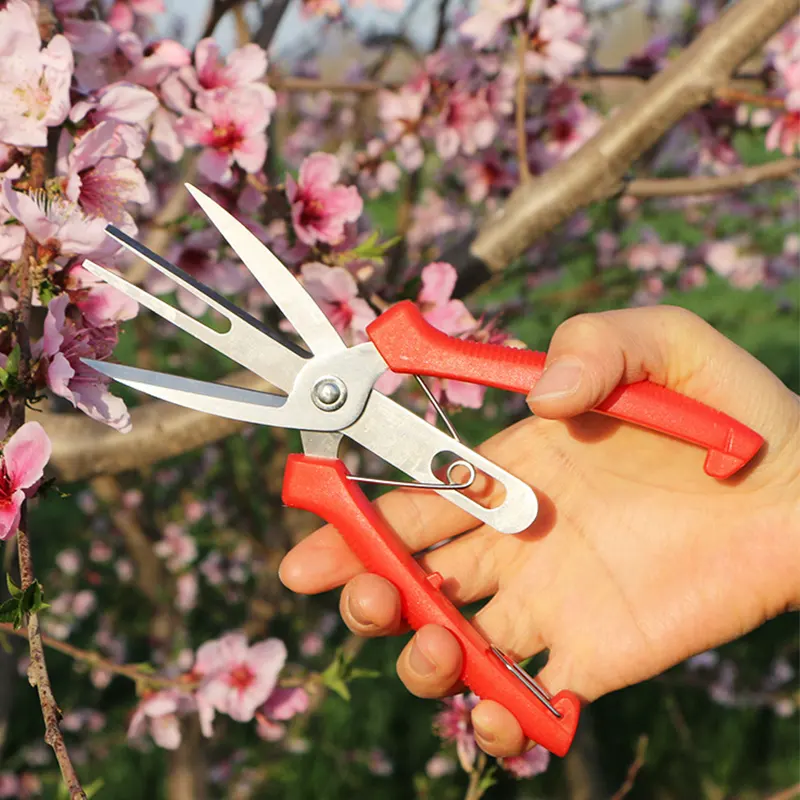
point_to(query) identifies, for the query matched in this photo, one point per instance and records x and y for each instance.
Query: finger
(430, 664)
(421, 518)
(509, 622)
(497, 731)
(370, 606)
(591, 354)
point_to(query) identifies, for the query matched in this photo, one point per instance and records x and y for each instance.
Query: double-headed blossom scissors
(330, 394)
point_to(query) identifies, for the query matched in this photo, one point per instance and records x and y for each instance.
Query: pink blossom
(483, 26)
(230, 126)
(61, 349)
(84, 603)
(186, 591)
(121, 102)
(237, 679)
(34, 83)
(486, 174)
(282, 705)
(311, 644)
(157, 714)
(244, 65)
(69, 561)
(566, 125)
(559, 45)
(177, 547)
(783, 49)
(467, 124)
(196, 255)
(730, 259)
(454, 724)
(439, 766)
(57, 223)
(320, 207)
(151, 66)
(336, 292)
(101, 179)
(651, 254)
(122, 15)
(784, 133)
(99, 303)
(532, 762)
(22, 466)
(435, 301)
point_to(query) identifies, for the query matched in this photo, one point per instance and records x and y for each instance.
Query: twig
(441, 24)
(96, 661)
(219, 8)
(37, 668)
(522, 136)
(671, 187)
(270, 20)
(730, 95)
(474, 791)
(595, 171)
(294, 83)
(633, 769)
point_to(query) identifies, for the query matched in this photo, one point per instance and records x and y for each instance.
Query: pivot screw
(329, 393)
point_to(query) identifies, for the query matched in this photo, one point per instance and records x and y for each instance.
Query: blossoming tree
(504, 151)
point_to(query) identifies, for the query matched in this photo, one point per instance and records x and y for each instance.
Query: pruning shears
(330, 394)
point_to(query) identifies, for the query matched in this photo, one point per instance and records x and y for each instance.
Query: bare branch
(37, 668)
(82, 448)
(633, 769)
(270, 20)
(96, 661)
(741, 179)
(595, 172)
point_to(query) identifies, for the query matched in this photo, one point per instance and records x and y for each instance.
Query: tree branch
(270, 20)
(96, 661)
(83, 449)
(595, 172)
(672, 187)
(633, 769)
(37, 668)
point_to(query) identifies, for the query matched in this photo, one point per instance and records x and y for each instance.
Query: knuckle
(583, 329)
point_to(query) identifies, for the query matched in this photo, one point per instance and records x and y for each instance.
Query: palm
(626, 550)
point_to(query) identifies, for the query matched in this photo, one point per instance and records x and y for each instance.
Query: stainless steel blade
(286, 291)
(246, 405)
(246, 342)
(409, 443)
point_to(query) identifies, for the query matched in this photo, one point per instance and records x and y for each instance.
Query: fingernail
(560, 379)
(419, 662)
(481, 733)
(357, 613)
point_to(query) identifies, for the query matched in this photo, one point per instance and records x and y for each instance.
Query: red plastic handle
(409, 344)
(321, 486)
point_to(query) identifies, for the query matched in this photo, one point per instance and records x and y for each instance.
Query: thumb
(591, 354)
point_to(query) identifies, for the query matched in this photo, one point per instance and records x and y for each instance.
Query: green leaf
(364, 673)
(93, 788)
(32, 600)
(12, 365)
(47, 291)
(336, 684)
(13, 589)
(9, 612)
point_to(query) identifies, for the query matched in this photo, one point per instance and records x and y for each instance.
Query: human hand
(637, 559)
